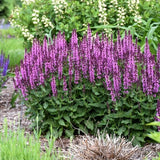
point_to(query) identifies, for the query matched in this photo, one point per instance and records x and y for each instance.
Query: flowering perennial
(3, 68)
(115, 63)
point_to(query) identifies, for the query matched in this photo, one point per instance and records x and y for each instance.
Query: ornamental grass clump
(85, 86)
(3, 69)
(18, 145)
(102, 147)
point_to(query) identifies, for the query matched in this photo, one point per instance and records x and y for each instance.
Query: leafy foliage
(72, 14)
(5, 8)
(81, 87)
(130, 114)
(85, 113)
(27, 146)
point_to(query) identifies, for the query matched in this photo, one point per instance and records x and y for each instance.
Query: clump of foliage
(3, 69)
(93, 84)
(37, 18)
(5, 8)
(17, 145)
(102, 147)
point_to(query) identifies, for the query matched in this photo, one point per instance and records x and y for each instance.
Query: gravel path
(147, 152)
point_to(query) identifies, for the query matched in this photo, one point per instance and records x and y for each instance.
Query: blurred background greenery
(10, 44)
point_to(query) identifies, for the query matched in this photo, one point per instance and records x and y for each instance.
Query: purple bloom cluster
(115, 63)
(151, 71)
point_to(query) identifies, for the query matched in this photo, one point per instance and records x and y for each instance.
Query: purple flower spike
(116, 64)
(3, 64)
(64, 84)
(53, 86)
(5, 67)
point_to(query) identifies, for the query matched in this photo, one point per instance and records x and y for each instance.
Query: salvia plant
(3, 69)
(90, 85)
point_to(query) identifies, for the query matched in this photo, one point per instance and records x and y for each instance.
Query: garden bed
(149, 151)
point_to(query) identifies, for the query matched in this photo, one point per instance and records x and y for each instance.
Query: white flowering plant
(37, 18)
(32, 20)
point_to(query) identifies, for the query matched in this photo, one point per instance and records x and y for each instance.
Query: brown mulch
(13, 118)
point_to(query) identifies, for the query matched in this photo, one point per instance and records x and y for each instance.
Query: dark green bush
(92, 110)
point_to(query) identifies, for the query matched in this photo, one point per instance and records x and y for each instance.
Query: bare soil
(149, 151)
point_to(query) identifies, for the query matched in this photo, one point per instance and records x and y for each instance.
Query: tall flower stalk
(4, 62)
(93, 59)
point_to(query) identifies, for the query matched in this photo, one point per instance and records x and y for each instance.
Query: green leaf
(136, 126)
(61, 122)
(43, 88)
(80, 113)
(11, 74)
(83, 129)
(67, 118)
(56, 101)
(45, 105)
(69, 133)
(48, 122)
(55, 132)
(73, 108)
(52, 110)
(94, 105)
(60, 132)
(121, 130)
(126, 121)
(153, 124)
(94, 90)
(89, 124)
(155, 136)
(14, 98)
(151, 32)
(140, 139)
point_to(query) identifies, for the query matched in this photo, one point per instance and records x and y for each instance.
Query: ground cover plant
(12, 46)
(4, 62)
(16, 145)
(94, 84)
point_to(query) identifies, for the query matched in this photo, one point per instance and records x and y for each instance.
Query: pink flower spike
(64, 84)
(53, 86)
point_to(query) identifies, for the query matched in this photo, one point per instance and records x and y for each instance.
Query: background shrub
(94, 84)
(40, 17)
